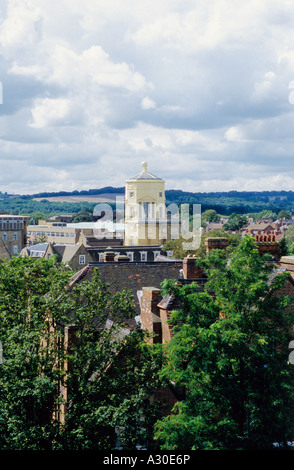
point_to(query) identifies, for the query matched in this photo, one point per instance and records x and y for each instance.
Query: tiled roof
(261, 226)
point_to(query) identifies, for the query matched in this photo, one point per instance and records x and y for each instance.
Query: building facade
(145, 212)
(13, 234)
(71, 234)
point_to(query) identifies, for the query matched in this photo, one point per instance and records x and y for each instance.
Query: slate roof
(38, 250)
(169, 303)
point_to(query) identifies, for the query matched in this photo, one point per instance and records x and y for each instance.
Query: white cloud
(66, 68)
(233, 134)
(48, 112)
(148, 103)
(19, 26)
(92, 88)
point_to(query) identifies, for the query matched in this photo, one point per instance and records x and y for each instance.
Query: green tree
(209, 215)
(229, 352)
(28, 378)
(284, 214)
(284, 248)
(36, 216)
(107, 374)
(86, 217)
(176, 246)
(233, 241)
(110, 377)
(288, 241)
(264, 214)
(40, 239)
(235, 222)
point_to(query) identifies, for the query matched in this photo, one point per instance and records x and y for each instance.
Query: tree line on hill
(225, 203)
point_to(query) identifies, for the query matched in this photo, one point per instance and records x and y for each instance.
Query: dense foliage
(106, 375)
(176, 246)
(240, 202)
(229, 354)
(227, 359)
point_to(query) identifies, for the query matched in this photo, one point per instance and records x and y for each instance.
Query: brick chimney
(273, 248)
(287, 262)
(216, 243)
(190, 270)
(150, 313)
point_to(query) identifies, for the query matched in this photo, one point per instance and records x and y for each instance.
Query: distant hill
(89, 192)
(225, 203)
(92, 198)
(241, 202)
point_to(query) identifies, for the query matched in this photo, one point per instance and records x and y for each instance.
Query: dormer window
(82, 259)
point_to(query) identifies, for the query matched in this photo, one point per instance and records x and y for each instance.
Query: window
(143, 255)
(101, 257)
(4, 236)
(130, 255)
(15, 249)
(156, 253)
(132, 194)
(151, 211)
(143, 210)
(82, 259)
(160, 194)
(15, 236)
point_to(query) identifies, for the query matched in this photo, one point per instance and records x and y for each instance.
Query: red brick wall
(190, 270)
(150, 315)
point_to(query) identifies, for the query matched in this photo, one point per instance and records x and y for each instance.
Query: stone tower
(145, 213)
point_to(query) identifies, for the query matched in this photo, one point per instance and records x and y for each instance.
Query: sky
(202, 90)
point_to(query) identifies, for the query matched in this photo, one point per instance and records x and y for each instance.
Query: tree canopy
(229, 353)
(101, 383)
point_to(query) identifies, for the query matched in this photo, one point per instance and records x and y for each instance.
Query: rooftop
(3, 215)
(145, 174)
